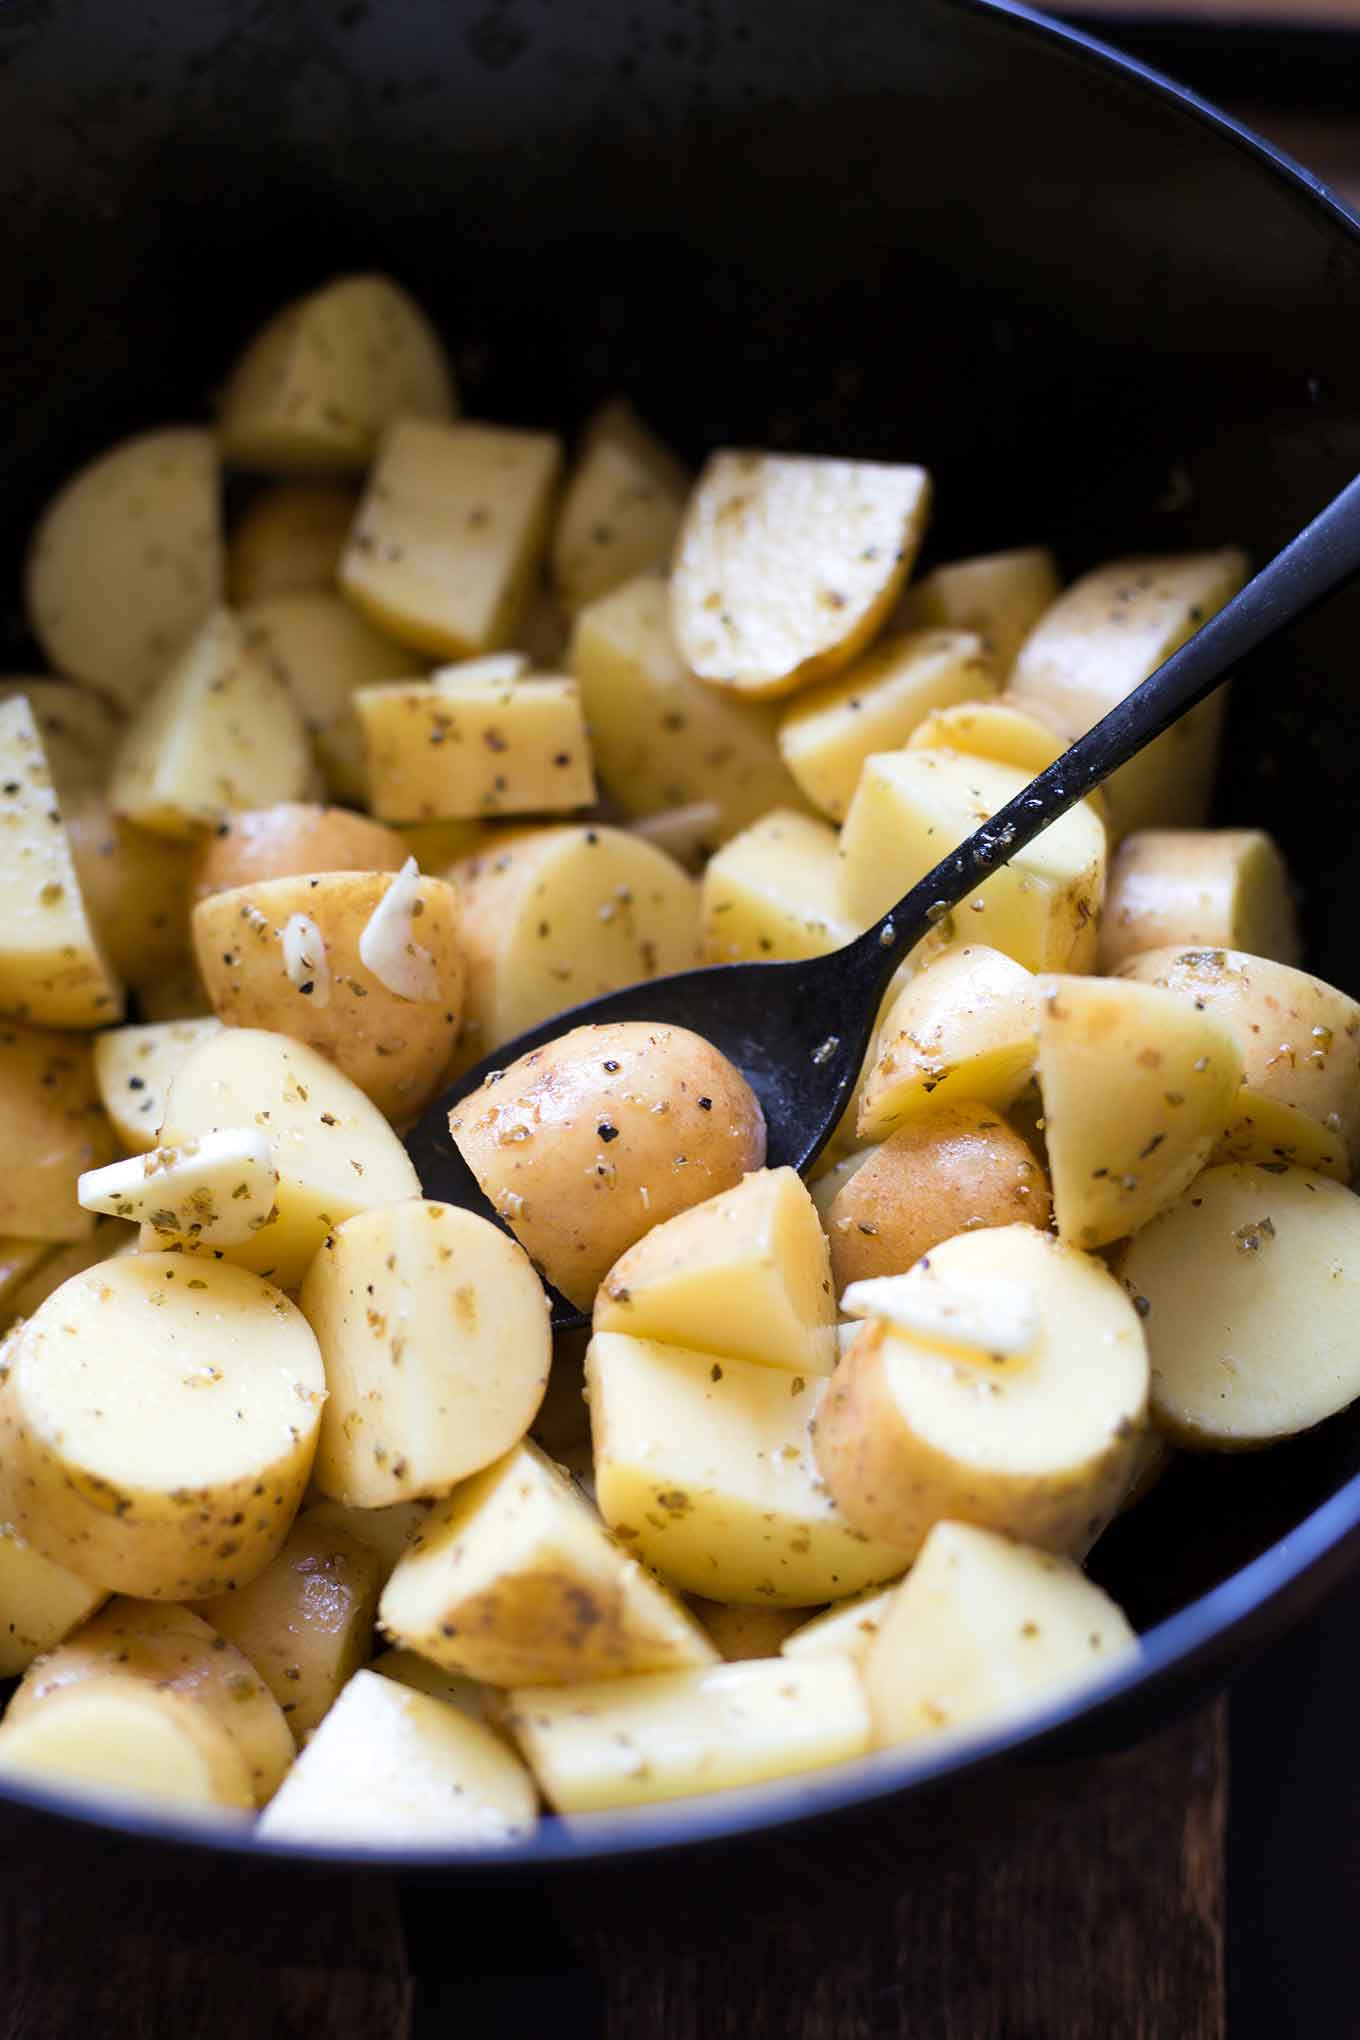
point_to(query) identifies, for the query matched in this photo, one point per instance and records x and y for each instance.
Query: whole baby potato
(586, 1144)
(290, 840)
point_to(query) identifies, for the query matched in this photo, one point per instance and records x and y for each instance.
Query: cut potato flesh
(1001, 730)
(292, 839)
(434, 1331)
(983, 1629)
(134, 1066)
(722, 1495)
(289, 541)
(1300, 1044)
(322, 652)
(847, 1630)
(126, 561)
(58, 1264)
(78, 730)
(121, 1737)
(1039, 1445)
(621, 508)
(54, 1129)
(1001, 596)
(158, 1419)
(481, 1703)
(828, 732)
(448, 537)
(1249, 1288)
(516, 1581)
(688, 834)
(1199, 889)
(135, 887)
(746, 1274)
(458, 748)
(391, 1768)
(1138, 1087)
(633, 1742)
(912, 808)
(786, 566)
(40, 1604)
(964, 1029)
(217, 1189)
(772, 894)
(389, 1532)
(52, 969)
(334, 1152)
(316, 386)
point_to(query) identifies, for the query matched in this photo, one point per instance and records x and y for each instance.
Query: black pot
(947, 232)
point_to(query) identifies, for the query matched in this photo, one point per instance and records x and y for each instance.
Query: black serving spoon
(799, 1031)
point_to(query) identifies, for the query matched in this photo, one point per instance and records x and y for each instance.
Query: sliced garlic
(496, 669)
(388, 946)
(218, 1189)
(304, 958)
(997, 1317)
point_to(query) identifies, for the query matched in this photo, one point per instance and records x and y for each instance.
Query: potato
(773, 894)
(543, 630)
(584, 1145)
(955, 1169)
(1000, 729)
(334, 1151)
(364, 967)
(480, 1703)
(120, 1736)
(57, 1264)
(1248, 1289)
(633, 1742)
(289, 540)
(295, 839)
(1138, 1088)
(216, 1190)
(173, 1650)
(53, 971)
(135, 887)
(1300, 1043)
(847, 1629)
(515, 1581)
(177, 996)
(555, 916)
(317, 385)
(54, 1129)
(322, 652)
(1000, 595)
(926, 1424)
(434, 1332)
(389, 1532)
(1199, 889)
(746, 1274)
(392, 1768)
(157, 1423)
(219, 731)
(982, 1630)
(621, 508)
(1100, 640)
(126, 561)
(912, 808)
(705, 1468)
(447, 541)
(661, 738)
(786, 566)
(688, 834)
(460, 746)
(40, 1603)
(133, 1068)
(306, 1622)
(828, 732)
(437, 845)
(962, 1030)
(78, 729)
(744, 1633)
(18, 1259)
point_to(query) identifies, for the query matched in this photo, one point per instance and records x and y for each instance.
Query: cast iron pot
(947, 232)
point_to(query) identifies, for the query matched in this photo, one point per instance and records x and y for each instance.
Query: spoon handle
(1325, 554)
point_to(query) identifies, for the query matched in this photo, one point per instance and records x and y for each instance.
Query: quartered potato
(133, 1068)
(962, 1029)
(216, 1190)
(772, 893)
(468, 745)
(621, 508)
(1000, 596)
(295, 839)
(847, 1629)
(1198, 889)
(289, 540)
(40, 1603)
(322, 651)
(120, 1737)
(786, 566)
(54, 1129)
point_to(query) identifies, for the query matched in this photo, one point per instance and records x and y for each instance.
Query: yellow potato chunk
(334, 1151)
(1100, 640)
(688, 834)
(133, 1068)
(294, 839)
(315, 387)
(434, 1331)
(121, 1737)
(1199, 889)
(173, 1650)
(53, 971)
(1138, 1088)
(621, 508)
(392, 1768)
(481, 1703)
(135, 886)
(515, 1581)
(216, 1190)
(983, 1630)
(461, 748)
(919, 1426)
(723, 1496)
(661, 738)
(846, 1630)
(746, 1274)
(219, 731)
(773, 893)
(1000, 596)
(448, 537)
(999, 729)
(322, 652)
(389, 1532)
(963, 1029)
(126, 561)
(786, 566)
(40, 1603)
(157, 1423)
(54, 1129)
(306, 1622)
(1249, 1288)
(78, 730)
(913, 807)
(828, 732)
(1300, 1043)
(289, 540)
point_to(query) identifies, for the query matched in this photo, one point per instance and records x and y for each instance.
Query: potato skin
(959, 1168)
(135, 887)
(586, 1144)
(292, 840)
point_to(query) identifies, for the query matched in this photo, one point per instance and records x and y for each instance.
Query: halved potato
(54, 1129)
(847, 1629)
(1199, 889)
(133, 1068)
(772, 893)
(621, 508)
(290, 539)
(40, 1603)
(216, 1190)
(323, 652)
(999, 595)
(295, 839)
(461, 746)
(963, 1029)
(120, 1736)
